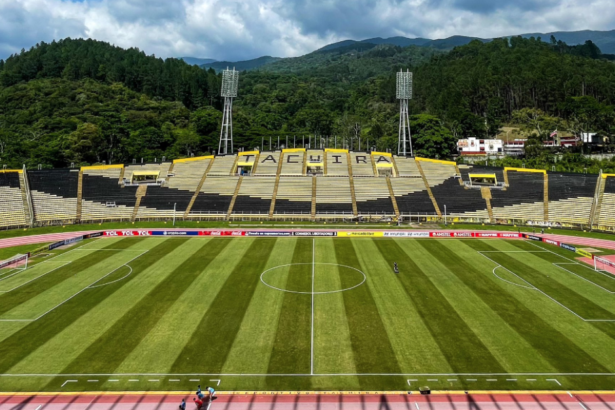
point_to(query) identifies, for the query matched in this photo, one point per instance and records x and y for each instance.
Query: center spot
(317, 278)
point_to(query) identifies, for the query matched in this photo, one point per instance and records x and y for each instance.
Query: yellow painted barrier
(6, 171)
(115, 166)
(536, 171)
(178, 161)
(436, 161)
(343, 151)
(293, 150)
(382, 154)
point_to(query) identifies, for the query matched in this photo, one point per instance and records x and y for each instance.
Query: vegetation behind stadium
(85, 101)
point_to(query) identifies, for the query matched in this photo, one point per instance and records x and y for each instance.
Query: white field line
(581, 277)
(87, 287)
(311, 263)
(507, 281)
(293, 374)
(544, 293)
(80, 248)
(38, 277)
(312, 340)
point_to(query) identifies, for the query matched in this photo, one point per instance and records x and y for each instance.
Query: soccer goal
(604, 265)
(17, 262)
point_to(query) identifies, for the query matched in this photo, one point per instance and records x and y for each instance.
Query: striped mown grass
(304, 313)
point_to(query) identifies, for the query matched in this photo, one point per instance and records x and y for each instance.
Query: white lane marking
(470, 380)
(215, 380)
(173, 380)
(417, 406)
(554, 380)
(569, 394)
(581, 404)
(492, 380)
(38, 408)
(68, 381)
(312, 330)
(133, 380)
(92, 381)
(411, 380)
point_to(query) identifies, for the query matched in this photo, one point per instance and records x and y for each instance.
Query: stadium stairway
(392, 196)
(486, 194)
(294, 196)
(234, 199)
(198, 188)
(433, 199)
(141, 192)
(275, 188)
(606, 211)
(355, 212)
(373, 196)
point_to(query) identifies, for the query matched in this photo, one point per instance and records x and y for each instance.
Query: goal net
(604, 265)
(17, 262)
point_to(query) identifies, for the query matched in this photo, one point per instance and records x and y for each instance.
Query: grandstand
(306, 184)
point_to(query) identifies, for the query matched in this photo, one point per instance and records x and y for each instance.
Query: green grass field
(306, 314)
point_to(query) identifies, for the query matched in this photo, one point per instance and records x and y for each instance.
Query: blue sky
(243, 29)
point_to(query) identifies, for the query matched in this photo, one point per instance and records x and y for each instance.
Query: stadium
(334, 309)
(304, 271)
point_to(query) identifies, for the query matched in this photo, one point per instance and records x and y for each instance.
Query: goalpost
(17, 262)
(604, 265)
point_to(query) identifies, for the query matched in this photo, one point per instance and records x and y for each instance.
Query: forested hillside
(84, 101)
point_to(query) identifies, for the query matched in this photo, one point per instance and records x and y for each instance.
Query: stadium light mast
(230, 81)
(404, 94)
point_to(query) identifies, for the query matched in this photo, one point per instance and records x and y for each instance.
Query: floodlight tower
(404, 94)
(230, 80)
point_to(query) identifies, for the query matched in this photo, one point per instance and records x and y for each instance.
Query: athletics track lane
(230, 401)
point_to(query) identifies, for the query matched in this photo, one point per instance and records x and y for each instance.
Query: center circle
(301, 278)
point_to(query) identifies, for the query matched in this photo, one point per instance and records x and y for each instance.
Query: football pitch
(306, 314)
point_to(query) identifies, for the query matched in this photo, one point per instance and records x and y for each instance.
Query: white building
(475, 146)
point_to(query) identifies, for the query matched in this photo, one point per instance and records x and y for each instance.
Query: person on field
(199, 393)
(182, 405)
(198, 403)
(212, 393)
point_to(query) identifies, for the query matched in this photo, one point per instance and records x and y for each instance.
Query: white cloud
(242, 29)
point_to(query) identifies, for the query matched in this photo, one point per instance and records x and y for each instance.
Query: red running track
(480, 401)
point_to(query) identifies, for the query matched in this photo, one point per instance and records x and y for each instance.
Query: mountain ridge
(605, 40)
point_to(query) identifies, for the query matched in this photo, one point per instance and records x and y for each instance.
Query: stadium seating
(421, 188)
(254, 196)
(292, 163)
(373, 196)
(458, 200)
(337, 163)
(411, 196)
(361, 164)
(103, 198)
(333, 196)
(268, 163)
(187, 175)
(606, 218)
(294, 196)
(522, 200)
(571, 197)
(437, 173)
(406, 167)
(163, 202)
(54, 194)
(215, 196)
(223, 165)
(12, 213)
